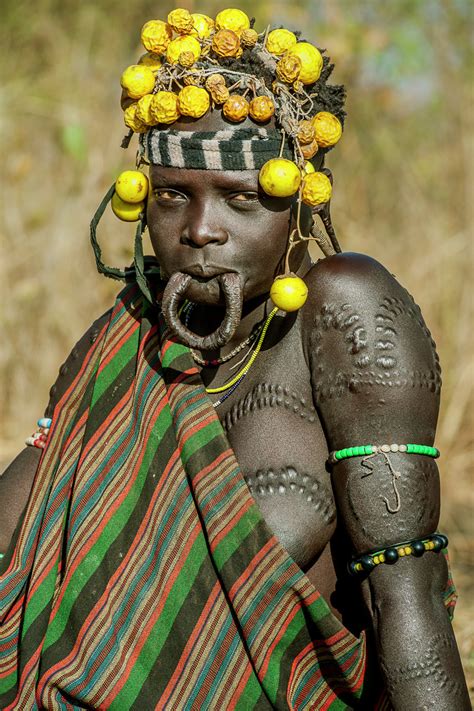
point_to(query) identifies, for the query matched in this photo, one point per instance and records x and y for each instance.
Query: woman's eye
(165, 195)
(244, 197)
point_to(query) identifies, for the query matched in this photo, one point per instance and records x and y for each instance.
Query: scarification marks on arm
(429, 666)
(371, 362)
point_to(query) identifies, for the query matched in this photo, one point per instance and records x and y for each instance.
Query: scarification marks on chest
(288, 480)
(265, 395)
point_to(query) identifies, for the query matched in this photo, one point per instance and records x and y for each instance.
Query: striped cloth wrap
(227, 149)
(143, 575)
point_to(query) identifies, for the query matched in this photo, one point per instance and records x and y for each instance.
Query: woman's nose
(203, 227)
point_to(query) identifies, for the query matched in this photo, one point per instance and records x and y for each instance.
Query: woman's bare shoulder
(17, 479)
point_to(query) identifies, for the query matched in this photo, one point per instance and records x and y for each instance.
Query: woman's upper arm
(376, 380)
(17, 480)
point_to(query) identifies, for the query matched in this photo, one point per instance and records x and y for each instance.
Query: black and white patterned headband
(228, 149)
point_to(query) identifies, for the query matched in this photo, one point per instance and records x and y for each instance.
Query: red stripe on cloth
(85, 548)
(116, 577)
(129, 331)
(132, 658)
(217, 538)
(250, 569)
(200, 625)
(27, 672)
(211, 467)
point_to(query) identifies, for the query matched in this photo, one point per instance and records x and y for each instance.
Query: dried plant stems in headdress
(194, 64)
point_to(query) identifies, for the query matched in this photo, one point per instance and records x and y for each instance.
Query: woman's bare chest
(277, 437)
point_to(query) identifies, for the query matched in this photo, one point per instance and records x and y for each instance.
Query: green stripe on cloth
(159, 633)
(99, 550)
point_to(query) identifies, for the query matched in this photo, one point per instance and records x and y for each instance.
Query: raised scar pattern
(413, 484)
(427, 665)
(374, 363)
(265, 395)
(285, 480)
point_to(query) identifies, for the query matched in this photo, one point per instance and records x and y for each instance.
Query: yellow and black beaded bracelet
(367, 449)
(390, 555)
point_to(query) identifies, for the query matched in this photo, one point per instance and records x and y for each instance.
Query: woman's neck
(204, 319)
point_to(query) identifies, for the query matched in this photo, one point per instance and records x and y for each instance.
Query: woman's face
(206, 222)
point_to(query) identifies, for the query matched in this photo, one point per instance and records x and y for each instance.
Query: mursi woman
(233, 500)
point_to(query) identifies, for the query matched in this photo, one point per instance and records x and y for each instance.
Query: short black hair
(326, 97)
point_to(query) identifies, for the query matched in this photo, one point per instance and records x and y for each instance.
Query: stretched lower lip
(205, 274)
(203, 279)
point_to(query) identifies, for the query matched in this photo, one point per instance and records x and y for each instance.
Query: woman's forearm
(417, 649)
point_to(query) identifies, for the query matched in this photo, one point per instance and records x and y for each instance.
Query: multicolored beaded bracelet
(38, 439)
(368, 449)
(417, 547)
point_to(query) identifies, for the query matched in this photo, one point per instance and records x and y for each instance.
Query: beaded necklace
(214, 362)
(237, 379)
(229, 387)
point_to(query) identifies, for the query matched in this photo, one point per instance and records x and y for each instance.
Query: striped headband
(228, 149)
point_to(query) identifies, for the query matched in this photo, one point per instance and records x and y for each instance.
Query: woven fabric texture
(230, 149)
(143, 575)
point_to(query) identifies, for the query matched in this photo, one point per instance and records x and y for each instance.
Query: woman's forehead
(228, 179)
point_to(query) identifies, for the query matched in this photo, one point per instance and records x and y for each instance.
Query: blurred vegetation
(403, 187)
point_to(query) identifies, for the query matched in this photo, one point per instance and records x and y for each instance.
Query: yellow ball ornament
(280, 41)
(126, 211)
(311, 61)
(185, 43)
(215, 84)
(306, 133)
(164, 107)
(317, 189)
(181, 21)
(288, 69)
(132, 186)
(193, 101)
(202, 25)
(232, 19)
(328, 129)
(138, 80)
(309, 150)
(153, 61)
(236, 108)
(131, 120)
(249, 38)
(307, 169)
(156, 36)
(280, 177)
(226, 43)
(143, 112)
(289, 292)
(262, 108)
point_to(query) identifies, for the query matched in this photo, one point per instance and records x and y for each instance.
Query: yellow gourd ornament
(289, 292)
(126, 211)
(280, 177)
(132, 186)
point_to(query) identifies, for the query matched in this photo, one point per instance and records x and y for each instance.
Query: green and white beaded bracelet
(368, 449)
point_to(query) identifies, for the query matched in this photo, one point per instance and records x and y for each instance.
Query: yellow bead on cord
(246, 367)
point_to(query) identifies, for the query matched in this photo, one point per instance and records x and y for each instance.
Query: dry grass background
(403, 189)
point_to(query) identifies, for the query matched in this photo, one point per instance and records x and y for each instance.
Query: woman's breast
(279, 443)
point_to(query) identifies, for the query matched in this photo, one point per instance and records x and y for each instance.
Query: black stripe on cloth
(182, 628)
(99, 580)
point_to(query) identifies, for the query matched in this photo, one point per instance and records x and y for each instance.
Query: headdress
(193, 64)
